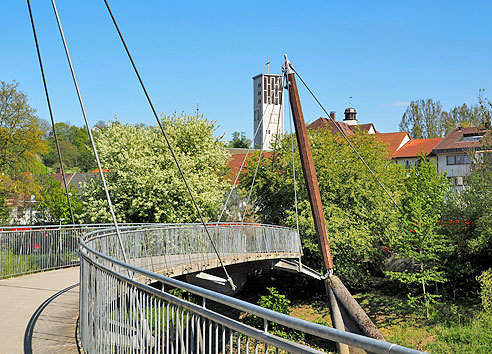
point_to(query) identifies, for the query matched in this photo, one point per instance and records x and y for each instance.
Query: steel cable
(229, 279)
(347, 139)
(89, 131)
(50, 110)
(240, 170)
(257, 166)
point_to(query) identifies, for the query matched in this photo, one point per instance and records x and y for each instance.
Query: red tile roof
(416, 146)
(457, 139)
(325, 122)
(392, 141)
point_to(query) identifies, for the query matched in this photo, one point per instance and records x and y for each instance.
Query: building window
(458, 181)
(461, 159)
(268, 131)
(472, 137)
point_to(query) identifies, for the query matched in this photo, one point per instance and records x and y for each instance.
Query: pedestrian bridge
(124, 300)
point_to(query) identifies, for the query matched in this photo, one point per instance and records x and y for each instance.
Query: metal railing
(120, 314)
(31, 249)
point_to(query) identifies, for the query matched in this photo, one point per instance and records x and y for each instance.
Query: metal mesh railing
(185, 247)
(29, 249)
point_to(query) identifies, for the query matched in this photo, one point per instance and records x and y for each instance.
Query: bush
(279, 303)
(485, 280)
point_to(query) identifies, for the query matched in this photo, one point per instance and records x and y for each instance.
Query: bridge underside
(205, 269)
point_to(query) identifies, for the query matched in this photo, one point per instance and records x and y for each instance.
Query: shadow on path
(51, 328)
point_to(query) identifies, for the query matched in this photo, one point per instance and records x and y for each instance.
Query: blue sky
(382, 53)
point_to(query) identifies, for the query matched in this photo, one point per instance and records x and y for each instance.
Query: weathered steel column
(308, 168)
(335, 290)
(311, 179)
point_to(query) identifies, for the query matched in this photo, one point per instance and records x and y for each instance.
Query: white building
(268, 108)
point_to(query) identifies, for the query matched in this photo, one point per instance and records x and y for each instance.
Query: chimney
(350, 116)
(333, 115)
(58, 170)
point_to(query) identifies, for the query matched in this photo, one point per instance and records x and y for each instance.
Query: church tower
(268, 108)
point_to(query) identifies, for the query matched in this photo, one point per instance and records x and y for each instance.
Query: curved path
(38, 312)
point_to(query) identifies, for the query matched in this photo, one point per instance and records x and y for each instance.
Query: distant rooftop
(416, 146)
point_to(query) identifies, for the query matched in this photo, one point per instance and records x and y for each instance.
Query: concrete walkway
(38, 312)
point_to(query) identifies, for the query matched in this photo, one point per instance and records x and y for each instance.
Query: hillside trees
(144, 182)
(74, 146)
(359, 216)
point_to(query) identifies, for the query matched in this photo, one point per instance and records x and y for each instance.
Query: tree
(144, 183)
(359, 216)
(20, 132)
(52, 206)
(239, 140)
(20, 145)
(426, 118)
(419, 241)
(423, 119)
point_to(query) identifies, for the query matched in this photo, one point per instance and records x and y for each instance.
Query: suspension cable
(229, 279)
(50, 111)
(347, 139)
(257, 165)
(240, 170)
(89, 132)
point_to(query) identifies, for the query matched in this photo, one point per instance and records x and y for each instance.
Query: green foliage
(419, 240)
(359, 216)
(279, 303)
(52, 203)
(274, 301)
(239, 140)
(469, 227)
(426, 118)
(144, 183)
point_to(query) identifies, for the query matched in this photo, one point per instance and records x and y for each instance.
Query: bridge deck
(38, 312)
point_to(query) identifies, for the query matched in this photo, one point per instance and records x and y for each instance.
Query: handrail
(96, 259)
